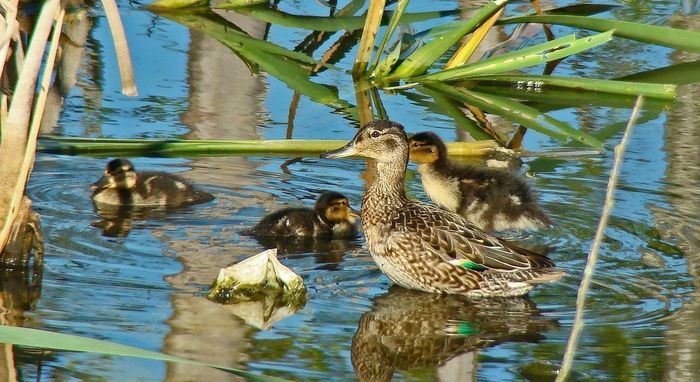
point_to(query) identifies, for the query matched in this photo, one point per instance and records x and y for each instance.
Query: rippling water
(141, 280)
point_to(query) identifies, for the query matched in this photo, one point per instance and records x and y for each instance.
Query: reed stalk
(126, 70)
(295, 147)
(369, 34)
(595, 247)
(14, 172)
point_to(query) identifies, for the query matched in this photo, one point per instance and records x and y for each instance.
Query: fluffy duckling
(331, 217)
(492, 199)
(121, 185)
(421, 246)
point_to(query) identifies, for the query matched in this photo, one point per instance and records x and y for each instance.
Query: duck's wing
(454, 239)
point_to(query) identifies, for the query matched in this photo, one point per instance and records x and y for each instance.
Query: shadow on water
(406, 331)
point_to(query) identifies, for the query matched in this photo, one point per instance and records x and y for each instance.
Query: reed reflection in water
(409, 330)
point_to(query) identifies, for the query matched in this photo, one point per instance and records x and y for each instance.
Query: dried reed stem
(126, 70)
(15, 130)
(595, 247)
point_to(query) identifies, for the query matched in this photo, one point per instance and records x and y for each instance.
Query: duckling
(121, 185)
(424, 247)
(492, 199)
(331, 217)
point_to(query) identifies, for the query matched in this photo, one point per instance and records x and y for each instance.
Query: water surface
(141, 281)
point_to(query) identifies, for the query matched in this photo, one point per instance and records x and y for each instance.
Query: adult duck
(421, 246)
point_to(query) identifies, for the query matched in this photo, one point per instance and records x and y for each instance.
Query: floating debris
(259, 289)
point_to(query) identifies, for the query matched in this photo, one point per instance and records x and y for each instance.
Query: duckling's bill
(101, 184)
(345, 151)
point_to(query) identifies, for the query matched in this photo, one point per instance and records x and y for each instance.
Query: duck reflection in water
(409, 330)
(122, 195)
(326, 230)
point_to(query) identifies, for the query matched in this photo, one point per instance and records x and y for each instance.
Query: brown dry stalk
(13, 172)
(126, 70)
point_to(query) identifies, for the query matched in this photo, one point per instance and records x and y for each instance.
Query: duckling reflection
(492, 199)
(122, 196)
(407, 330)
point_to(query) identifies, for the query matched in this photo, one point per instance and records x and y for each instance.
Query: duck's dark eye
(375, 134)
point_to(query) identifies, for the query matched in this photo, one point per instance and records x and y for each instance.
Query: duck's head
(384, 141)
(426, 147)
(335, 207)
(119, 173)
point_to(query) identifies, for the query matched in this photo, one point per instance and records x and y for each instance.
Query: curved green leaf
(670, 37)
(540, 82)
(519, 113)
(535, 55)
(277, 61)
(426, 55)
(679, 74)
(59, 341)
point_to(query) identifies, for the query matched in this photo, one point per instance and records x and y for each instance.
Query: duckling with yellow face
(331, 217)
(492, 199)
(121, 185)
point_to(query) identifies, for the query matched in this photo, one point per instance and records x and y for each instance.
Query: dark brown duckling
(331, 217)
(492, 199)
(121, 185)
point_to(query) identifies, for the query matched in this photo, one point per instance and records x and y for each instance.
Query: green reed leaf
(425, 56)
(59, 341)
(653, 34)
(544, 83)
(535, 55)
(283, 64)
(393, 23)
(330, 23)
(175, 147)
(518, 113)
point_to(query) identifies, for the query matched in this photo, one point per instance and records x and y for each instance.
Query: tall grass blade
(538, 54)
(426, 55)
(653, 34)
(59, 341)
(542, 83)
(518, 113)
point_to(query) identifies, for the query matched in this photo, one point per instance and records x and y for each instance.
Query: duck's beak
(354, 212)
(100, 184)
(345, 151)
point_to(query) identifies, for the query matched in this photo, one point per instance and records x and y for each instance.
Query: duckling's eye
(375, 134)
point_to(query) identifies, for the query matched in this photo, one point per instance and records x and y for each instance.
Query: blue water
(146, 286)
